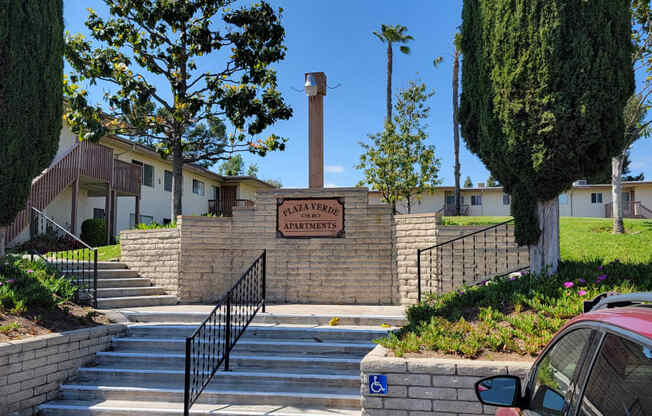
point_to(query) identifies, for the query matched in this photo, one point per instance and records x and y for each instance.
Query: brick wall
(420, 386)
(154, 254)
(32, 369)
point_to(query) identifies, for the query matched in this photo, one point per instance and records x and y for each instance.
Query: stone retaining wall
(429, 386)
(154, 254)
(32, 369)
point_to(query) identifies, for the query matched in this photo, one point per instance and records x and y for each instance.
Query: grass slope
(521, 315)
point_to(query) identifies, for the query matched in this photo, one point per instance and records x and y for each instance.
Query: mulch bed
(40, 321)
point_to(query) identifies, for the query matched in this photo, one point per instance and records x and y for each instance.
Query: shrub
(93, 232)
(155, 226)
(47, 242)
(25, 284)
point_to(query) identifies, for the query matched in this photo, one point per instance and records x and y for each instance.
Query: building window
(506, 199)
(596, 198)
(98, 213)
(476, 199)
(563, 199)
(450, 200)
(143, 219)
(148, 173)
(197, 187)
(167, 181)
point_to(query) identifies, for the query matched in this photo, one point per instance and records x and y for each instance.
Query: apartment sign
(310, 218)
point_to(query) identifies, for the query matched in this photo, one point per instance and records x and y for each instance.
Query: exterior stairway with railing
(634, 209)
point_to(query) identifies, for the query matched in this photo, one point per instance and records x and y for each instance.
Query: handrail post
(264, 277)
(419, 275)
(227, 343)
(95, 278)
(186, 394)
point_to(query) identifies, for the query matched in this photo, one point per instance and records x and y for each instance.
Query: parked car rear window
(620, 383)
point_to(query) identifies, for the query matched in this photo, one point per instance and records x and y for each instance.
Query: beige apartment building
(127, 180)
(582, 200)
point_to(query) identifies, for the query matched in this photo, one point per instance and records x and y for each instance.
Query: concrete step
(342, 398)
(117, 292)
(104, 273)
(136, 301)
(128, 282)
(245, 346)
(239, 362)
(129, 408)
(269, 318)
(101, 265)
(296, 333)
(262, 380)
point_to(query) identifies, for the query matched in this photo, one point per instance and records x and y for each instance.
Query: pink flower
(0, 283)
(10, 281)
(600, 267)
(581, 292)
(523, 273)
(511, 279)
(568, 285)
(602, 277)
(30, 271)
(581, 280)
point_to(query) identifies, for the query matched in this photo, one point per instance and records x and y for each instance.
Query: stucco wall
(428, 386)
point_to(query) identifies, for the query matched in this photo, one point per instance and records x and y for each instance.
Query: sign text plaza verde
(310, 217)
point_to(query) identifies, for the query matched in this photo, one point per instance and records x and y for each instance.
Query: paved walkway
(293, 309)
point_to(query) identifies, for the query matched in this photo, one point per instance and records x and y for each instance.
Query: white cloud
(334, 168)
(330, 185)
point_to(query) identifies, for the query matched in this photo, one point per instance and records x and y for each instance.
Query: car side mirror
(500, 391)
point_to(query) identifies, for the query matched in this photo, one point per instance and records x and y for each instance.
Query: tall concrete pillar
(315, 87)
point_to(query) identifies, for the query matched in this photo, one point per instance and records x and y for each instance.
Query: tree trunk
(456, 129)
(389, 81)
(546, 254)
(409, 204)
(3, 233)
(616, 193)
(177, 182)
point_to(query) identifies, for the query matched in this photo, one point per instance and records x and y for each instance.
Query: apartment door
(228, 199)
(627, 204)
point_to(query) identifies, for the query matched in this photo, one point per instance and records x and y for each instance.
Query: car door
(620, 380)
(554, 378)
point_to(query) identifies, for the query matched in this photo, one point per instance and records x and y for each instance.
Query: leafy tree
(391, 35)
(232, 167)
(214, 59)
(31, 102)
(398, 163)
(456, 120)
(468, 183)
(275, 183)
(252, 170)
(542, 101)
(492, 182)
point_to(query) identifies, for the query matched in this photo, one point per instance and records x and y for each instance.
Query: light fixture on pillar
(315, 87)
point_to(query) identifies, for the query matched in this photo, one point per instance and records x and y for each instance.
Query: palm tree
(390, 35)
(456, 124)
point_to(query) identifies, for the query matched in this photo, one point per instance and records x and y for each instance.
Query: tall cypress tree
(31, 71)
(544, 86)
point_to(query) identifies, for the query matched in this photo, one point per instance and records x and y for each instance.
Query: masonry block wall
(428, 386)
(32, 369)
(154, 254)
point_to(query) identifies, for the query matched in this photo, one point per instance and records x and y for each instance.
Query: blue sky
(335, 37)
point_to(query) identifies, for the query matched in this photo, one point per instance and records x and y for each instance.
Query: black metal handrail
(211, 343)
(496, 241)
(66, 253)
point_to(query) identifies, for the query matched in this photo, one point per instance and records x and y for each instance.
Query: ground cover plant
(35, 300)
(519, 315)
(104, 253)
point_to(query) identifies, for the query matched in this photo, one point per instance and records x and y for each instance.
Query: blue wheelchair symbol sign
(377, 384)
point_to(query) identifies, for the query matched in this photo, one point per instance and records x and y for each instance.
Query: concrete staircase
(289, 367)
(119, 287)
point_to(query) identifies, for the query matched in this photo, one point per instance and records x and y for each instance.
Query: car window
(620, 381)
(556, 372)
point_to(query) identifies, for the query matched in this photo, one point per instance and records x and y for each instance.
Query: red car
(599, 364)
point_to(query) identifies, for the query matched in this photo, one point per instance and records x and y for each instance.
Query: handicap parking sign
(377, 384)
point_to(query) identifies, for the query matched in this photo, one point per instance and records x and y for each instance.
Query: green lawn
(104, 253)
(467, 221)
(521, 315)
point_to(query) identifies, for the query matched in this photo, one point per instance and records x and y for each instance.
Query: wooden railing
(225, 208)
(634, 209)
(84, 159)
(127, 177)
